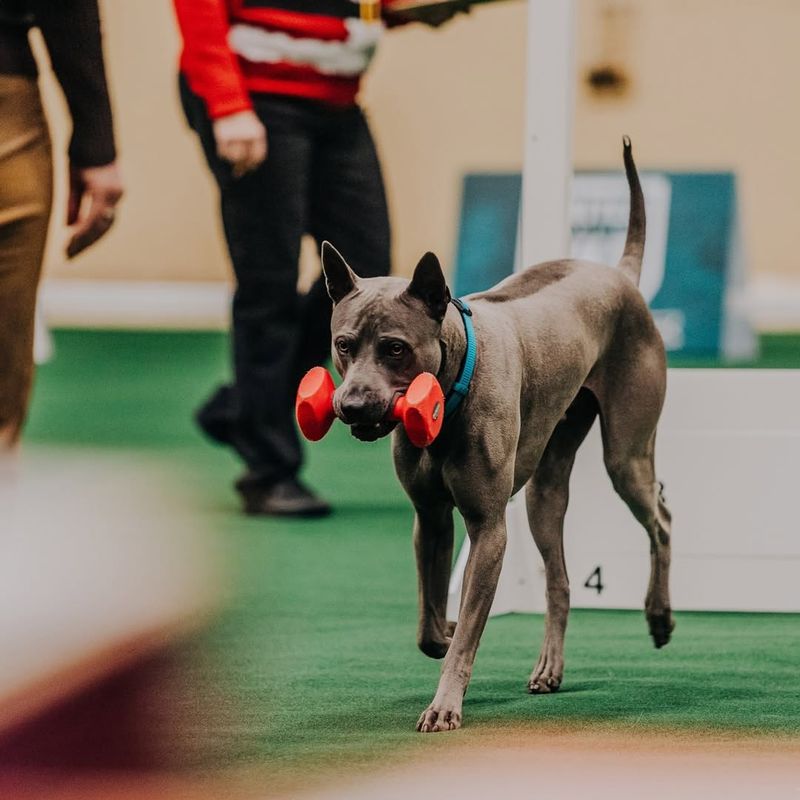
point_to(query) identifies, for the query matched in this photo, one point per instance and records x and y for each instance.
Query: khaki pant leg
(26, 177)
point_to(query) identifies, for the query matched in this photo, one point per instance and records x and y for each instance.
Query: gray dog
(549, 349)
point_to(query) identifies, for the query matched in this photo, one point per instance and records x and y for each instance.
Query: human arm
(71, 30)
(212, 72)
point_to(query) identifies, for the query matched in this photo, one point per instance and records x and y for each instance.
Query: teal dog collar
(460, 388)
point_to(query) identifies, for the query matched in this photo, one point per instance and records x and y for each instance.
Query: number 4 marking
(595, 580)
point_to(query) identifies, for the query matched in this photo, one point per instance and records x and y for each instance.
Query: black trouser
(321, 177)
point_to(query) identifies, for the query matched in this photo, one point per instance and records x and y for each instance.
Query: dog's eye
(342, 347)
(396, 349)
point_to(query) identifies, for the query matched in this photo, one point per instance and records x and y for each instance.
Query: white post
(544, 234)
(550, 101)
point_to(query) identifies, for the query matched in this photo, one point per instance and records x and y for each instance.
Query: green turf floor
(315, 651)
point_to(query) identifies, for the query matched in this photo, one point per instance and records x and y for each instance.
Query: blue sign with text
(692, 261)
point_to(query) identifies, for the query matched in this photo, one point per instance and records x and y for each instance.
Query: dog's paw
(661, 625)
(437, 645)
(543, 684)
(434, 648)
(549, 670)
(437, 720)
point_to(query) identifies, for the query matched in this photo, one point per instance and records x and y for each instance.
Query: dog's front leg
(433, 545)
(487, 546)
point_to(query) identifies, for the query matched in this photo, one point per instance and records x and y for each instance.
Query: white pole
(550, 102)
(544, 233)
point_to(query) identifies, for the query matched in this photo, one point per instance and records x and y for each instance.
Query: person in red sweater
(270, 89)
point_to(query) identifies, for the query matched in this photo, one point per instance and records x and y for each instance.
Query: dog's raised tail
(631, 261)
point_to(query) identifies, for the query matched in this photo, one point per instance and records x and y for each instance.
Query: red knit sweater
(306, 48)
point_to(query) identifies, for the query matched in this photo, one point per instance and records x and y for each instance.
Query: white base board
(770, 303)
(728, 453)
(187, 305)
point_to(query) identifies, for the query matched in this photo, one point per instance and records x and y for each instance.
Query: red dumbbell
(314, 404)
(420, 409)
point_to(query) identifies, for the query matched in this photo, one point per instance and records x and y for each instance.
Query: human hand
(93, 195)
(242, 140)
(437, 15)
(432, 14)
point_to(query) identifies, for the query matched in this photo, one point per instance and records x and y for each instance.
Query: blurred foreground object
(542, 763)
(103, 574)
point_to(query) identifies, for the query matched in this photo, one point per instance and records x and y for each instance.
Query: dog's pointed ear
(429, 285)
(339, 278)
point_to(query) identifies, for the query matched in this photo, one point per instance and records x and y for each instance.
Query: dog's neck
(453, 341)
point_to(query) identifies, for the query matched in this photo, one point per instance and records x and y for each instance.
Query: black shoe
(286, 498)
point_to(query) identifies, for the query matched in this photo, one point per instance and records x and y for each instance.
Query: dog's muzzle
(370, 433)
(367, 418)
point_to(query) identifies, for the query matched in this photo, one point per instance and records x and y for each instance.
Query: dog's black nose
(359, 410)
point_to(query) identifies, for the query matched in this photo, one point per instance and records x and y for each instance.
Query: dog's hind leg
(433, 545)
(633, 477)
(547, 494)
(630, 405)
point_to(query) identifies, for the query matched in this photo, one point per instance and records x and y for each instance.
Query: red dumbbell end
(314, 404)
(421, 410)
